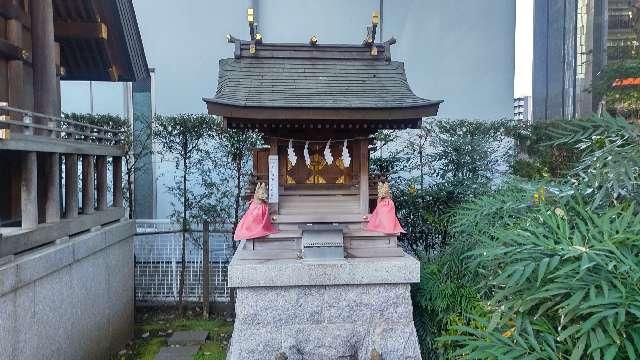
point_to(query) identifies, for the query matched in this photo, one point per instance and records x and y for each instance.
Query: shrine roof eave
(400, 114)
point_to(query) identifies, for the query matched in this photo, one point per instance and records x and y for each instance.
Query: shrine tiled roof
(319, 77)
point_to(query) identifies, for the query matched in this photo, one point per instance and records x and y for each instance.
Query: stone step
(320, 192)
(286, 244)
(319, 210)
(185, 338)
(348, 233)
(319, 218)
(177, 353)
(296, 226)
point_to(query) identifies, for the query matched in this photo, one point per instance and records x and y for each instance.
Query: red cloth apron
(384, 218)
(255, 223)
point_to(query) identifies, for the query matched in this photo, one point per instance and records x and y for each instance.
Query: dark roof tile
(299, 76)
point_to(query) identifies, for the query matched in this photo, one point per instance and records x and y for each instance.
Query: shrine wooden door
(317, 172)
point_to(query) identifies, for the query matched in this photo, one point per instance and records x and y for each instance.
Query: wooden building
(301, 97)
(41, 43)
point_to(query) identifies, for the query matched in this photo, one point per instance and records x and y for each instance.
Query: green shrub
(528, 169)
(560, 274)
(564, 285)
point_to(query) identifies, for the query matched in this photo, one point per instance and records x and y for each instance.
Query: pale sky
(524, 48)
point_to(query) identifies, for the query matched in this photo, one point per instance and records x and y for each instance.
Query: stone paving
(177, 353)
(183, 345)
(186, 338)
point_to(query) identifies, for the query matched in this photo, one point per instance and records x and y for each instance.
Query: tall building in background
(522, 111)
(622, 42)
(569, 50)
(141, 114)
(573, 42)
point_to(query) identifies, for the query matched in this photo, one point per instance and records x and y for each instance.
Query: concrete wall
(70, 300)
(460, 51)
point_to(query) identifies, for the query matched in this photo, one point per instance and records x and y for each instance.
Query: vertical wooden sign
(273, 179)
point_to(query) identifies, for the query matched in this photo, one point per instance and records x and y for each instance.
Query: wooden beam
(81, 30)
(45, 88)
(273, 179)
(113, 73)
(29, 190)
(15, 71)
(101, 181)
(408, 113)
(88, 184)
(52, 186)
(364, 176)
(13, 52)
(45, 233)
(71, 186)
(10, 10)
(21, 142)
(117, 181)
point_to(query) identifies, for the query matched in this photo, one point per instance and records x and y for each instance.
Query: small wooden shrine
(322, 280)
(317, 106)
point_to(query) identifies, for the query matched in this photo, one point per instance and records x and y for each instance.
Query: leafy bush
(109, 121)
(609, 169)
(560, 271)
(444, 297)
(466, 155)
(462, 158)
(527, 169)
(622, 101)
(537, 159)
(566, 283)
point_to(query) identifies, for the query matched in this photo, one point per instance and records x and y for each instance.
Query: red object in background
(255, 223)
(626, 82)
(384, 218)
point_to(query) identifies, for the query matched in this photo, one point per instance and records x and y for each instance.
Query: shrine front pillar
(273, 175)
(364, 176)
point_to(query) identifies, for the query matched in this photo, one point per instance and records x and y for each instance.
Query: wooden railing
(34, 145)
(57, 127)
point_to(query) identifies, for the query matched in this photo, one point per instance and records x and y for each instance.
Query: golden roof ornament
(313, 41)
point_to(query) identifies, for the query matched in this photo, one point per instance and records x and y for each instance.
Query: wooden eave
(323, 114)
(99, 40)
(11, 9)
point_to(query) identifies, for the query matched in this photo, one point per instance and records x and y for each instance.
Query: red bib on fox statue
(255, 223)
(384, 219)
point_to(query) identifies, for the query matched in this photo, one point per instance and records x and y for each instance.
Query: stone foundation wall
(324, 322)
(70, 300)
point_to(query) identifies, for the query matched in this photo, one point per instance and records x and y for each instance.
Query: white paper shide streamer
(346, 159)
(292, 155)
(307, 158)
(327, 153)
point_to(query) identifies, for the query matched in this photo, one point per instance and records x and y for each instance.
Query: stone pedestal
(334, 310)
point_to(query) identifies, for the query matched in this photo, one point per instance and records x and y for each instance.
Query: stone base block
(324, 322)
(69, 300)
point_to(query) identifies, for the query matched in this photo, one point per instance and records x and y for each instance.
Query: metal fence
(158, 250)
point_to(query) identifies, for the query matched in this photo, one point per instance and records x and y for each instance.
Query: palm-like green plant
(609, 170)
(561, 274)
(566, 286)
